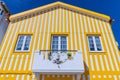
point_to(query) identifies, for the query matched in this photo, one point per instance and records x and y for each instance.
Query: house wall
(98, 65)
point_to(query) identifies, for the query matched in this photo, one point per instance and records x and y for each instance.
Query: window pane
(20, 43)
(91, 43)
(63, 43)
(55, 38)
(27, 42)
(98, 43)
(55, 43)
(54, 47)
(63, 38)
(64, 47)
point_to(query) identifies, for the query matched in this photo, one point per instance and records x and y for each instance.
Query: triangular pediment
(61, 5)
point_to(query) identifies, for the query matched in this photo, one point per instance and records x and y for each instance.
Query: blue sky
(108, 7)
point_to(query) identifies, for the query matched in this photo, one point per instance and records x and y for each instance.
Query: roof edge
(89, 12)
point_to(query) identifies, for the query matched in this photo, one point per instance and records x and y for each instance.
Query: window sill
(97, 52)
(21, 52)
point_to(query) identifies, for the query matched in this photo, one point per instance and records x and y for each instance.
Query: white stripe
(17, 77)
(91, 63)
(28, 77)
(101, 61)
(11, 61)
(31, 58)
(42, 20)
(96, 60)
(6, 37)
(86, 29)
(23, 77)
(11, 45)
(106, 62)
(37, 27)
(34, 21)
(21, 25)
(88, 18)
(57, 25)
(86, 57)
(4, 56)
(119, 76)
(16, 61)
(79, 39)
(30, 24)
(75, 43)
(106, 46)
(26, 61)
(96, 22)
(113, 40)
(81, 21)
(93, 25)
(34, 44)
(53, 21)
(63, 22)
(40, 30)
(71, 31)
(45, 20)
(48, 31)
(33, 77)
(21, 61)
(113, 55)
(115, 77)
(25, 26)
(67, 20)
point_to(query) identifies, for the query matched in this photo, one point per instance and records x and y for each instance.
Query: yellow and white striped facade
(60, 18)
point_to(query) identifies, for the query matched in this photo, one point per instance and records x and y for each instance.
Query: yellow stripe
(114, 47)
(23, 62)
(46, 31)
(32, 21)
(64, 19)
(95, 25)
(108, 45)
(23, 26)
(19, 58)
(28, 23)
(41, 35)
(28, 63)
(49, 38)
(86, 17)
(104, 64)
(59, 19)
(77, 31)
(55, 20)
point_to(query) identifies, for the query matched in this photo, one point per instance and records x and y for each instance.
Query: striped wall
(59, 20)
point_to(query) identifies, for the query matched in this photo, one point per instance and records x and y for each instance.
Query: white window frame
(22, 49)
(59, 41)
(94, 42)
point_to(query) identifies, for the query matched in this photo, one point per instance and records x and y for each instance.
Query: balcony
(46, 61)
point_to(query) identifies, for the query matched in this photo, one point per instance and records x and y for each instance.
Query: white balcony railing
(58, 62)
